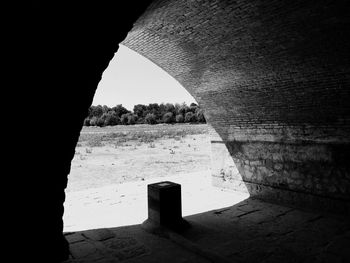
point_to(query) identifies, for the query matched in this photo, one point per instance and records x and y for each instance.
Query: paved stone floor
(255, 231)
(249, 231)
(126, 244)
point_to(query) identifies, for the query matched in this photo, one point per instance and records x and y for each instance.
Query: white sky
(132, 79)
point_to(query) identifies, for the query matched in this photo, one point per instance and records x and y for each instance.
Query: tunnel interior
(273, 78)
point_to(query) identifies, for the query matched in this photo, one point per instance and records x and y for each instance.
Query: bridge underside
(272, 77)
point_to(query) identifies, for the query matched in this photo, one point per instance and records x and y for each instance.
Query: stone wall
(305, 175)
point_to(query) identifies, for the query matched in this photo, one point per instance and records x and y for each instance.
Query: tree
(177, 107)
(101, 121)
(132, 118)
(200, 115)
(179, 118)
(86, 122)
(153, 108)
(162, 111)
(190, 117)
(105, 109)
(120, 110)
(93, 121)
(140, 111)
(193, 107)
(96, 111)
(168, 117)
(128, 118)
(111, 119)
(150, 118)
(184, 109)
(157, 113)
(169, 107)
(124, 119)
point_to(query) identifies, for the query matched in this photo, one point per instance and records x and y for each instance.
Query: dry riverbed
(119, 154)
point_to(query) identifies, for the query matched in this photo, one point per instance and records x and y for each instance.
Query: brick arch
(272, 78)
(260, 69)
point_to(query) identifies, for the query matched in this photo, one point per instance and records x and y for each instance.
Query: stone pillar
(164, 207)
(164, 203)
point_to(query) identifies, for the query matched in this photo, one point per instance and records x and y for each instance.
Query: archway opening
(116, 159)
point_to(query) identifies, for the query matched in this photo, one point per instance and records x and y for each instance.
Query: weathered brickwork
(271, 74)
(265, 67)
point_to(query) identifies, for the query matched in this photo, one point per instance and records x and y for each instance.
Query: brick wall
(270, 74)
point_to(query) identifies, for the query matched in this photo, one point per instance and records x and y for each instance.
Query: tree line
(153, 113)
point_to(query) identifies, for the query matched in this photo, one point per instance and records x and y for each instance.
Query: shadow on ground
(250, 231)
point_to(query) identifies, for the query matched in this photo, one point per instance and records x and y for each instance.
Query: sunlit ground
(126, 204)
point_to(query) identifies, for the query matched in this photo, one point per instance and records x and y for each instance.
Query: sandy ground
(112, 163)
(108, 183)
(126, 204)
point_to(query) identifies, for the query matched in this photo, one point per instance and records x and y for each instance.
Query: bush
(95, 111)
(124, 119)
(200, 116)
(128, 119)
(183, 109)
(100, 122)
(190, 117)
(150, 118)
(111, 120)
(93, 121)
(87, 122)
(179, 118)
(119, 110)
(168, 117)
(132, 118)
(193, 107)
